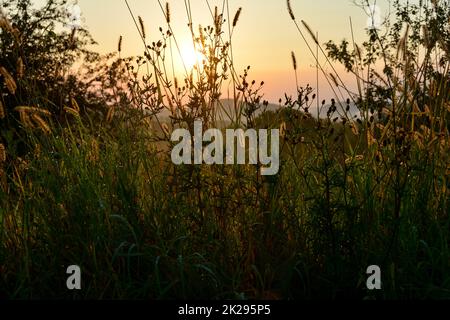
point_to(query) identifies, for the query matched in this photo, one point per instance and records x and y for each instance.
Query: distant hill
(226, 110)
(228, 106)
(352, 113)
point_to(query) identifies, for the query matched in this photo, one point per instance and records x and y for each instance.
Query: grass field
(86, 176)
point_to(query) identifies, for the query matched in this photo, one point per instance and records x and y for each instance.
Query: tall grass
(94, 185)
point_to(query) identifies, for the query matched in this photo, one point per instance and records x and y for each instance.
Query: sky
(263, 39)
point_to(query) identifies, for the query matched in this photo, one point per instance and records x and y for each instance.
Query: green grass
(142, 228)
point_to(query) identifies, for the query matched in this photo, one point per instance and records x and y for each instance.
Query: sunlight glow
(190, 56)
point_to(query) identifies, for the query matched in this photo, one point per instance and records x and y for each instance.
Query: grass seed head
(41, 123)
(33, 110)
(294, 60)
(358, 52)
(283, 130)
(2, 110)
(311, 33)
(165, 128)
(236, 17)
(119, 45)
(217, 21)
(75, 104)
(72, 111)
(9, 80)
(110, 114)
(20, 68)
(167, 12)
(291, 12)
(94, 152)
(2, 153)
(141, 24)
(333, 78)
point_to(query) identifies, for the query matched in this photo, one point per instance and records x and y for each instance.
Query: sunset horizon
(264, 37)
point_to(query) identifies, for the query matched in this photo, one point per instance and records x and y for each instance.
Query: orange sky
(264, 38)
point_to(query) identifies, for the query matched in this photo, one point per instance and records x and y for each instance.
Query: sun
(191, 57)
